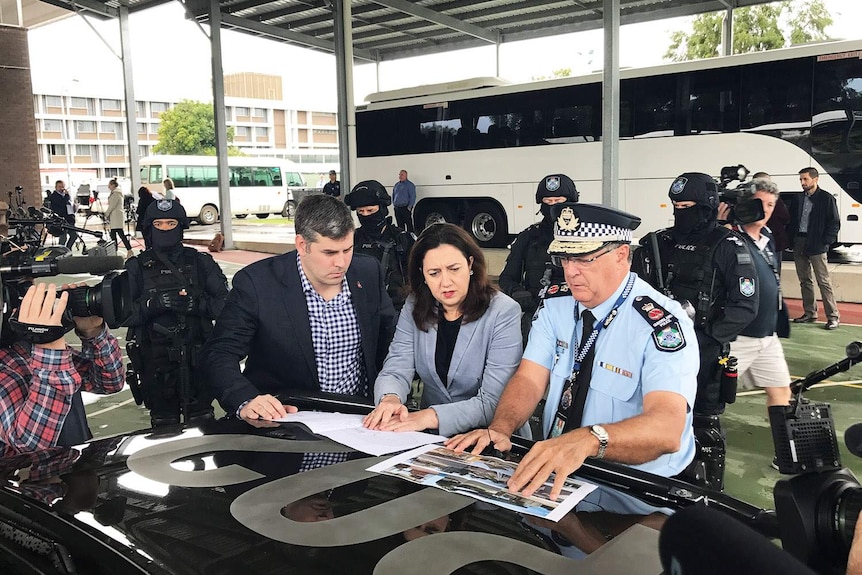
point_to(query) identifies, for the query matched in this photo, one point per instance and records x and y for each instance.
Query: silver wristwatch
(599, 433)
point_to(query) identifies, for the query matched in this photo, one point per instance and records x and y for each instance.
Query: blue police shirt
(632, 359)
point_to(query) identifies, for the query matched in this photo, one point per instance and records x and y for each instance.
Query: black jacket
(59, 205)
(823, 222)
(266, 321)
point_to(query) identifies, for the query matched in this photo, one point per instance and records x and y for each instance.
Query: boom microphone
(69, 265)
(702, 541)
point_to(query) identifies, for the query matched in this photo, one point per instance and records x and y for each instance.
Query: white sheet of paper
(347, 429)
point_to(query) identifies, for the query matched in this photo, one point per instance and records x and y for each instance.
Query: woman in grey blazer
(457, 331)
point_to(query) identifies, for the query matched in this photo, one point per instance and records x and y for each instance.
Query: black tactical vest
(538, 271)
(690, 274)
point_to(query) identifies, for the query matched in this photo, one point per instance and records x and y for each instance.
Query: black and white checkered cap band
(594, 232)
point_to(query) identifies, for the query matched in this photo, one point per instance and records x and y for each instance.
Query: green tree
(189, 129)
(755, 28)
(558, 73)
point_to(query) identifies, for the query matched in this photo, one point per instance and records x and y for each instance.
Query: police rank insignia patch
(667, 334)
(678, 185)
(165, 205)
(552, 183)
(568, 220)
(746, 286)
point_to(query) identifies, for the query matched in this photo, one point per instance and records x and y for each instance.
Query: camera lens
(111, 300)
(848, 505)
(85, 301)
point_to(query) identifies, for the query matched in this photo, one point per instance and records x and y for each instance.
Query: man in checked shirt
(41, 384)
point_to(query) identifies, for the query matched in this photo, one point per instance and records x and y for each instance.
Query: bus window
(178, 175)
(263, 176)
(713, 101)
(155, 175)
(196, 176)
(241, 176)
(776, 95)
(145, 175)
(655, 107)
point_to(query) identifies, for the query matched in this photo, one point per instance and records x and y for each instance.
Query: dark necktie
(583, 380)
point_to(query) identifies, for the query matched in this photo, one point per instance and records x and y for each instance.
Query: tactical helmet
(557, 185)
(695, 187)
(166, 210)
(368, 193)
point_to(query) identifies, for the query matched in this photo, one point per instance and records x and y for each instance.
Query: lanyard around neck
(587, 344)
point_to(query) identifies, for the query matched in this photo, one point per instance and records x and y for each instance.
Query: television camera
(744, 207)
(23, 256)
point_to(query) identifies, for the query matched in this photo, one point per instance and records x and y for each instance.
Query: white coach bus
(259, 186)
(477, 149)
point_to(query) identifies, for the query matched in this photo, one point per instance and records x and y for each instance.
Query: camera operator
(41, 383)
(757, 348)
(63, 205)
(709, 270)
(177, 292)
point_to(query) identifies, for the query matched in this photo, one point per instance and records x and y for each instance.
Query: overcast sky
(171, 57)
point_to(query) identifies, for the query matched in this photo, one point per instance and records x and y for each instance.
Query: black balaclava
(691, 223)
(165, 240)
(374, 224)
(553, 186)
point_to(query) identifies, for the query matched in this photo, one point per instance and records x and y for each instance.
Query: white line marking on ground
(121, 404)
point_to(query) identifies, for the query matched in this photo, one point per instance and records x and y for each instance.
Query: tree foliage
(558, 73)
(755, 28)
(188, 129)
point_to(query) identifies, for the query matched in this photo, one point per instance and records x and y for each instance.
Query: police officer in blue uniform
(618, 359)
(177, 293)
(528, 271)
(377, 237)
(710, 271)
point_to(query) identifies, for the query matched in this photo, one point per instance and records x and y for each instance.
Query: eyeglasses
(165, 224)
(578, 261)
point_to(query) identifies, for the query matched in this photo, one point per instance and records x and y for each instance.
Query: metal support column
(497, 45)
(129, 93)
(220, 125)
(346, 107)
(611, 105)
(727, 33)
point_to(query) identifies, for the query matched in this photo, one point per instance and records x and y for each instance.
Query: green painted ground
(750, 452)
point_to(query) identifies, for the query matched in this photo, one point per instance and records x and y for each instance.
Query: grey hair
(764, 185)
(322, 215)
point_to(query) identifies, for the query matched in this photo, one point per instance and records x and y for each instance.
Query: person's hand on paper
(480, 438)
(265, 407)
(560, 455)
(390, 407)
(415, 421)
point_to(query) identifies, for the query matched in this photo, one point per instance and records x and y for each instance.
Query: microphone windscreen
(702, 541)
(853, 439)
(89, 265)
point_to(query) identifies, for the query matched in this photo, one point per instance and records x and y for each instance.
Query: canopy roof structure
(393, 29)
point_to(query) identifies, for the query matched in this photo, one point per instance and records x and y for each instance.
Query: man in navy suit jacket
(314, 319)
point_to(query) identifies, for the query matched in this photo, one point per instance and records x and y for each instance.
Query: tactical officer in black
(528, 271)
(177, 292)
(710, 271)
(377, 237)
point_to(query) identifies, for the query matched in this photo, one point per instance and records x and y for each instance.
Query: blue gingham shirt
(336, 339)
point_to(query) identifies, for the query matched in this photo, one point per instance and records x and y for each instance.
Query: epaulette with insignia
(667, 334)
(554, 290)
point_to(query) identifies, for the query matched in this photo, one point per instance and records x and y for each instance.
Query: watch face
(599, 430)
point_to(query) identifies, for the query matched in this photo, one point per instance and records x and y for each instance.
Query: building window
(53, 102)
(85, 150)
(115, 150)
(115, 172)
(111, 105)
(56, 149)
(143, 151)
(115, 128)
(84, 127)
(260, 113)
(240, 111)
(140, 109)
(242, 131)
(158, 107)
(81, 103)
(227, 115)
(142, 128)
(52, 125)
(261, 132)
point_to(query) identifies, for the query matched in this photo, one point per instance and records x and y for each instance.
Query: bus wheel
(428, 215)
(487, 224)
(208, 215)
(289, 209)
(261, 216)
(241, 216)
